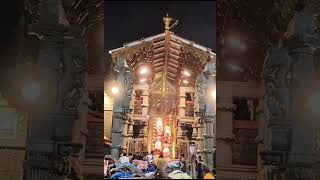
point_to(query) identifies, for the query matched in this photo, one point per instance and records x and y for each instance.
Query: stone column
(122, 100)
(200, 139)
(206, 91)
(292, 125)
(116, 131)
(210, 113)
(118, 112)
(224, 134)
(60, 72)
(124, 132)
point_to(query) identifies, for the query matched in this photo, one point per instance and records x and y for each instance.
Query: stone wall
(226, 169)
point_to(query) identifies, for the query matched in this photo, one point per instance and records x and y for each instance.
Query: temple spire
(167, 20)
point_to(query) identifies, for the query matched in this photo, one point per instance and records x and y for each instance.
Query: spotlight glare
(143, 70)
(187, 73)
(213, 94)
(115, 90)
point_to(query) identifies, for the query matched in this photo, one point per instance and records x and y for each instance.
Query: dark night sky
(127, 21)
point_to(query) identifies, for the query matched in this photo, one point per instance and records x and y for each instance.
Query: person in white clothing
(124, 158)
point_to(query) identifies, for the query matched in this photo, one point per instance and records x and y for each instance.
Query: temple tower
(161, 114)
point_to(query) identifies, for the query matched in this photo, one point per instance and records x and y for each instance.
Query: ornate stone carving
(129, 82)
(201, 91)
(286, 69)
(210, 69)
(119, 65)
(277, 76)
(316, 141)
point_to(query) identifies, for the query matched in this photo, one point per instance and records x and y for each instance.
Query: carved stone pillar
(118, 111)
(116, 132)
(224, 132)
(291, 123)
(206, 92)
(121, 106)
(124, 132)
(61, 67)
(200, 139)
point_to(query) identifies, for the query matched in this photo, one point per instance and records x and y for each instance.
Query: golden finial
(167, 21)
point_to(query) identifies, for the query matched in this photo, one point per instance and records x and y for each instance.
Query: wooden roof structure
(167, 54)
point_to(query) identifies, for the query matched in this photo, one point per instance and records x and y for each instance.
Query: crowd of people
(152, 165)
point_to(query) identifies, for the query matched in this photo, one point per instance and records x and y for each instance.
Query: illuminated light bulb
(143, 70)
(187, 73)
(115, 90)
(213, 94)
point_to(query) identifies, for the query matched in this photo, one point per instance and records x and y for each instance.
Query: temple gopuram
(163, 97)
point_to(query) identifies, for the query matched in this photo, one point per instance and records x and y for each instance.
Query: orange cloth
(209, 176)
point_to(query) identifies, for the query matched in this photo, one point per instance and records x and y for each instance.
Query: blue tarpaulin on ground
(121, 175)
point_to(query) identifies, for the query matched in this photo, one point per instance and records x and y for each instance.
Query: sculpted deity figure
(277, 74)
(210, 69)
(129, 82)
(74, 67)
(201, 91)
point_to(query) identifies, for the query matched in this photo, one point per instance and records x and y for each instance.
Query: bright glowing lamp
(144, 70)
(187, 73)
(213, 94)
(115, 90)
